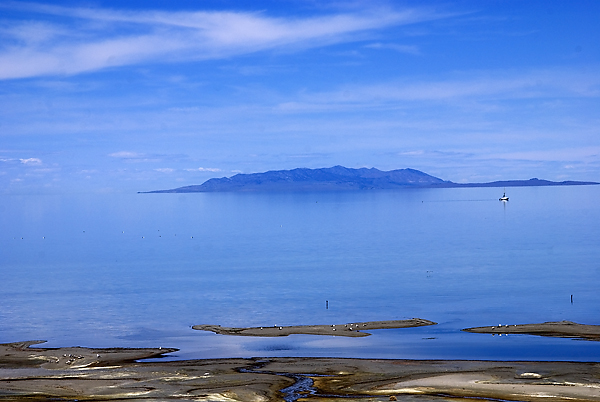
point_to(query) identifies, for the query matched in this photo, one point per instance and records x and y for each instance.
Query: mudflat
(351, 329)
(32, 373)
(563, 329)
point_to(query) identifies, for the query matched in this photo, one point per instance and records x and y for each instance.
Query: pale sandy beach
(355, 329)
(44, 374)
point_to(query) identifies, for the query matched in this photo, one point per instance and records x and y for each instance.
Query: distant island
(339, 178)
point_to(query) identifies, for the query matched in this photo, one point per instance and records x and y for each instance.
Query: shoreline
(116, 374)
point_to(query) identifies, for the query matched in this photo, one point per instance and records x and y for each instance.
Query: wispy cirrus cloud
(165, 170)
(89, 39)
(583, 154)
(549, 83)
(127, 155)
(135, 157)
(409, 49)
(577, 154)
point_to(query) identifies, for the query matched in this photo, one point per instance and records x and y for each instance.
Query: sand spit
(22, 355)
(353, 329)
(563, 329)
(23, 376)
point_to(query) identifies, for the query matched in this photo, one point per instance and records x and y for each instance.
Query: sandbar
(562, 329)
(28, 374)
(351, 329)
(72, 357)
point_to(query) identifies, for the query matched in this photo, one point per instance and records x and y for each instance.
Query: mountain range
(342, 178)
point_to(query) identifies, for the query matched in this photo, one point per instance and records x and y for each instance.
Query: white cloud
(31, 161)
(202, 169)
(24, 161)
(89, 39)
(165, 170)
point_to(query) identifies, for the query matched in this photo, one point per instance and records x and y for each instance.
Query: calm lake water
(137, 270)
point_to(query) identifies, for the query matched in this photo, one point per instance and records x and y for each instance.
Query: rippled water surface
(138, 270)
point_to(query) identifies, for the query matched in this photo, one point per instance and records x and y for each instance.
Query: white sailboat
(504, 197)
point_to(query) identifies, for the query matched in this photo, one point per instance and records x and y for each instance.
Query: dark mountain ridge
(341, 178)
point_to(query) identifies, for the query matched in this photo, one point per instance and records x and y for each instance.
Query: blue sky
(102, 96)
